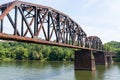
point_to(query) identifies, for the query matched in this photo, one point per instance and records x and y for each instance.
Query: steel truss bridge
(27, 22)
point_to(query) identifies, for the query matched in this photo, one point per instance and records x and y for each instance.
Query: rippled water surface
(36, 70)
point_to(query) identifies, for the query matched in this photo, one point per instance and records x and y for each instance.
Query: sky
(96, 17)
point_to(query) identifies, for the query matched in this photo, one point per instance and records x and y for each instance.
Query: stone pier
(109, 59)
(100, 58)
(84, 60)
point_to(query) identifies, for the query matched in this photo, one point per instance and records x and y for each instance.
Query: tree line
(113, 46)
(29, 51)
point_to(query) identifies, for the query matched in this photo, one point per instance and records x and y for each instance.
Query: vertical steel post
(67, 31)
(58, 27)
(72, 38)
(64, 36)
(1, 27)
(72, 33)
(69, 37)
(22, 25)
(78, 39)
(15, 29)
(69, 27)
(48, 35)
(35, 22)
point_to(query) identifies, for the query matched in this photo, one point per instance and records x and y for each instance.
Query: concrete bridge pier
(84, 60)
(100, 58)
(109, 59)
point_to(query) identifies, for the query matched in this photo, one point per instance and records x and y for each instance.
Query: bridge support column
(109, 59)
(84, 60)
(100, 58)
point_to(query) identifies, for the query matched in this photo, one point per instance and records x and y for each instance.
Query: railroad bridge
(33, 23)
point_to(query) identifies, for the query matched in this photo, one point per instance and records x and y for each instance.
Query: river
(36, 70)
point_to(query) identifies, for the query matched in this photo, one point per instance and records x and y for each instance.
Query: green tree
(113, 46)
(56, 54)
(46, 52)
(34, 55)
(21, 53)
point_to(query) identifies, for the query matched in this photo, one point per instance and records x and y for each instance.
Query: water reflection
(109, 72)
(85, 75)
(36, 70)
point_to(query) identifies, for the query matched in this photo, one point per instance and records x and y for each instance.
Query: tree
(56, 54)
(46, 52)
(34, 55)
(21, 53)
(113, 46)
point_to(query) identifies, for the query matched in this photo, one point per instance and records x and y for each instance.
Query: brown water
(36, 70)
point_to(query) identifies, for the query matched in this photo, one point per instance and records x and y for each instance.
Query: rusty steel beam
(16, 16)
(48, 33)
(13, 24)
(35, 21)
(9, 8)
(1, 27)
(37, 41)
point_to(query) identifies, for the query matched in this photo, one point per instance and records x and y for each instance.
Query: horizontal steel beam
(37, 41)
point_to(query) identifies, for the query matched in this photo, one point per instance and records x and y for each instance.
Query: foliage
(27, 51)
(113, 46)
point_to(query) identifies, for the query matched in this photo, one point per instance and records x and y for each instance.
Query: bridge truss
(27, 22)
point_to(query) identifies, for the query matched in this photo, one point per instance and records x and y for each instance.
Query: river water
(36, 70)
